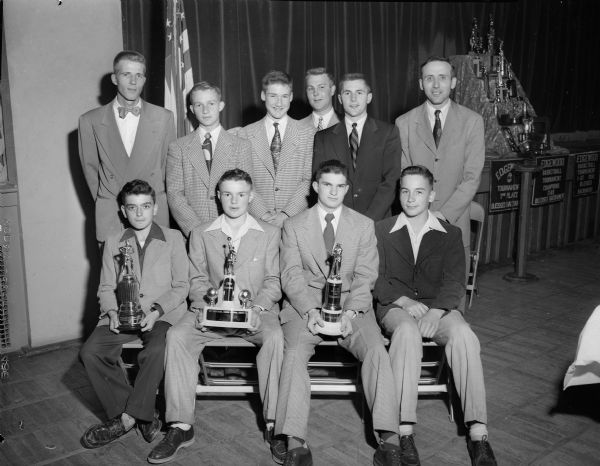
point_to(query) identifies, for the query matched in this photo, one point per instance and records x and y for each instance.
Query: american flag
(178, 66)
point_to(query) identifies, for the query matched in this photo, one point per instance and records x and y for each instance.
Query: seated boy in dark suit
(420, 285)
(161, 266)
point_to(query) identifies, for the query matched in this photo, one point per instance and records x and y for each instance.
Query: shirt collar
(431, 110)
(214, 133)
(219, 224)
(154, 233)
(432, 223)
(326, 117)
(322, 212)
(282, 123)
(116, 104)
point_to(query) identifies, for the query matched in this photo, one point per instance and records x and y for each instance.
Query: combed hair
(235, 174)
(331, 166)
(438, 58)
(352, 77)
(204, 86)
(318, 72)
(417, 170)
(135, 188)
(276, 77)
(130, 55)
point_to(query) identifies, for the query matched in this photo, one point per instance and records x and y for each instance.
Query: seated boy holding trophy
(329, 265)
(142, 292)
(234, 290)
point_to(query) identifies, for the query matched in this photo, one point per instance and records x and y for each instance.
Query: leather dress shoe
(387, 455)
(102, 434)
(481, 452)
(167, 448)
(150, 430)
(277, 445)
(300, 456)
(409, 456)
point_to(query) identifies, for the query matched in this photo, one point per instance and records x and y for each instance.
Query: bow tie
(124, 110)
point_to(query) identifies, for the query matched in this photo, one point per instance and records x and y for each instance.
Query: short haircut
(353, 77)
(135, 188)
(331, 166)
(276, 77)
(417, 170)
(318, 72)
(235, 174)
(438, 58)
(130, 55)
(204, 86)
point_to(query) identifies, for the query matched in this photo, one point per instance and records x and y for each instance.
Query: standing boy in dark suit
(370, 149)
(124, 140)
(420, 285)
(161, 266)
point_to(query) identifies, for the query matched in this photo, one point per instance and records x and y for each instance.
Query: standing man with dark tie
(320, 88)
(281, 154)
(124, 140)
(369, 147)
(196, 162)
(448, 139)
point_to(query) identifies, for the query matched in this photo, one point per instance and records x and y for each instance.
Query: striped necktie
(207, 150)
(276, 146)
(353, 140)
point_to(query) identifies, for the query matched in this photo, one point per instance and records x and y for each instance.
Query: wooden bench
(435, 378)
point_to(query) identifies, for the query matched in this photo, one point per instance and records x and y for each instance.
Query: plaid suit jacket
(191, 190)
(287, 190)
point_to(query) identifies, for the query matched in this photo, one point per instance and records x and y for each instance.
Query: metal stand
(526, 169)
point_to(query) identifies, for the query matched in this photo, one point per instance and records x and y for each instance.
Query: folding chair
(477, 217)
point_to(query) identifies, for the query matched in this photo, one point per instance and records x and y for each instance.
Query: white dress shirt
(360, 124)
(443, 114)
(432, 223)
(127, 126)
(271, 129)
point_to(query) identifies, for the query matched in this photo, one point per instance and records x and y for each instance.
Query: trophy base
(332, 329)
(129, 328)
(225, 317)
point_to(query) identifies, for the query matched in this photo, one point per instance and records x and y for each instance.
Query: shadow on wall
(89, 313)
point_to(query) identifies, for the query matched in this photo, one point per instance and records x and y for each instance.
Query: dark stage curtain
(552, 44)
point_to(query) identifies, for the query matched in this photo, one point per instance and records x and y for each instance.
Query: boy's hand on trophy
(113, 321)
(314, 321)
(346, 325)
(149, 320)
(199, 325)
(255, 319)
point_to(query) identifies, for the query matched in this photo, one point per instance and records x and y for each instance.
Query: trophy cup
(331, 311)
(128, 293)
(231, 312)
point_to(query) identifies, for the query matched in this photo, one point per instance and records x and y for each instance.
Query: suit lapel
(424, 129)
(342, 147)
(344, 235)
(428, 245)
(145, 139)
(450, 127)
(314, 237)
(334, 120)
(196, 157)
(262, 145)
(400, 241)
(367, 141)
(110, 138)
(288, 144)
(248, 245)
(222, 150)
(155, 249)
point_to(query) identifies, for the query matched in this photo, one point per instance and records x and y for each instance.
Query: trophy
(331, 311)
(230, 312)
(128, 293)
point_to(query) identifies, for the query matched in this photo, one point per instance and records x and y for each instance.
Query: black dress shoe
(300, 456)
(102, 434)
(150, 430)
(409, 456)
(167, 448)
(387, 455)
(277, 445)
(481, 452)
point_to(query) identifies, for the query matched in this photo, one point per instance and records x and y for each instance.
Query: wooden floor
(528, 335)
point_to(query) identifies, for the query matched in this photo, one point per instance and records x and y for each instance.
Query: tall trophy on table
(228, 307)
(130, 312)
(331, 311)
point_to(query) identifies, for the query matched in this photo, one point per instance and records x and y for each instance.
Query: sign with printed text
(587, 171)
(505, 187)
(549, 184)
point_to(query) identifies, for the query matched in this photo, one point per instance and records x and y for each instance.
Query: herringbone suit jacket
(107, 167)
(456, 164)
(287, 190)
(191, 189)
(304, 265)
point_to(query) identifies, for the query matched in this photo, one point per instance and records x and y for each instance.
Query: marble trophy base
(227, 315)
(332, 329)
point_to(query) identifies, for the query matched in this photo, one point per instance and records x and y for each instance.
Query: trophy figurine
(128, 293)
(331, 311)
(230, 312)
